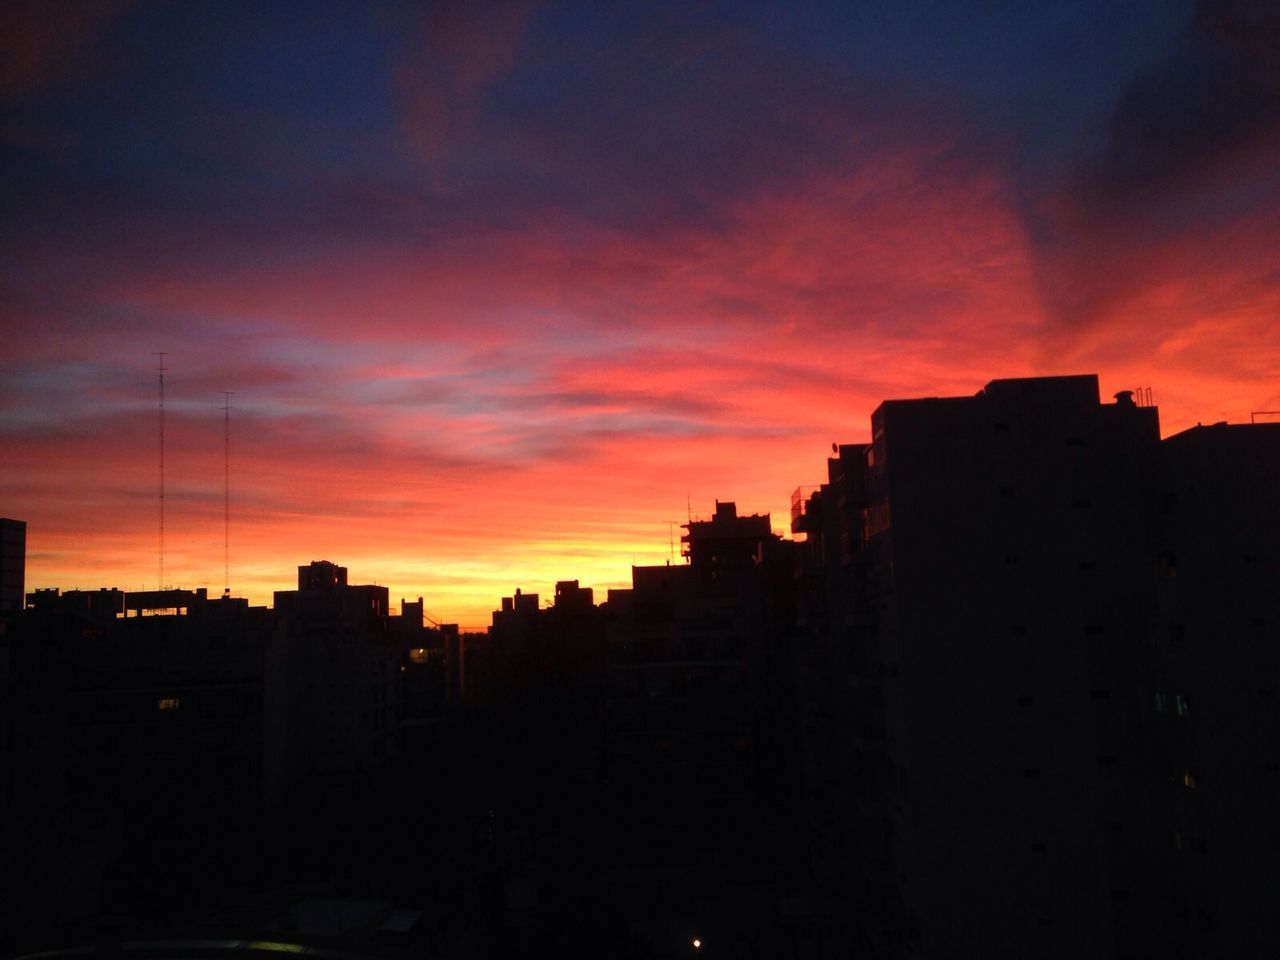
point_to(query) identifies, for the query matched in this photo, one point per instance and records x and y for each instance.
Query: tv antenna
(226, 492)
(160, 369)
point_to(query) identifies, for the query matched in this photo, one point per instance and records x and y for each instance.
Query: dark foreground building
(1001, 742)
(160, 746)
(1216, 701)
(140, 725)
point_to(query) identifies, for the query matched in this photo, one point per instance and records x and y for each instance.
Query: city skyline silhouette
(1009, 684)
(640, 480)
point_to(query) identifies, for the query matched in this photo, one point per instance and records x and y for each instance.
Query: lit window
(168, 703)
(418, 655)
(1180, 703)
(1189, 779)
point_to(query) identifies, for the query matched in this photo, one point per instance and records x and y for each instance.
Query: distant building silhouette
(700, 699)
(430, 671)
(343, 671)
(665, 718)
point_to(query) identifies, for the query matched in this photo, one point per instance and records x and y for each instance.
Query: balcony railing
(800, 502)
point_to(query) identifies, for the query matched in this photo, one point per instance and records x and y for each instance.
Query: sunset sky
(503, 289)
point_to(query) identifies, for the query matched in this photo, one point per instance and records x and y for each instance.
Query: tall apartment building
(977, 610)
(1219, 631)
(338, 663)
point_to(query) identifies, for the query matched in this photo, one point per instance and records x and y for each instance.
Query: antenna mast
(160, 369)
(226, 492)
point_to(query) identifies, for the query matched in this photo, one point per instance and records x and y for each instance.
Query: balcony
(804, 514)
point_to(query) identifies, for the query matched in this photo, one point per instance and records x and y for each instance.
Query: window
(168, 703)
(1181, 706)
(1162, 703)
(1190, 779)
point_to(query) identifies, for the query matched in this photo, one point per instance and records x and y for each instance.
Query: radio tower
(160, 369)
(226, 492)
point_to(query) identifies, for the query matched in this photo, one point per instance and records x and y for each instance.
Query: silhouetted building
(152, 739)
(1217, 702)
(700, 699)
(428, 671)
(13, 564)
(139, 740)
(339, 666)
(979, 588)
(834, 617)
